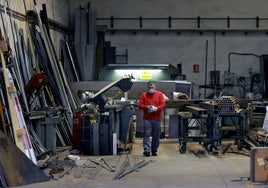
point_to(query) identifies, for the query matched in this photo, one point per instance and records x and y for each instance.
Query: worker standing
(152, 103)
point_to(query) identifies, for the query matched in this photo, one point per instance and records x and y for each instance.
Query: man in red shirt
(152, 103)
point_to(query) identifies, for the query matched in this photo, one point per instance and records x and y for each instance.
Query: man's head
(151, 87)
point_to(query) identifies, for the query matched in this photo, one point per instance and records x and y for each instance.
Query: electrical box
(214, 77)
(229, 78)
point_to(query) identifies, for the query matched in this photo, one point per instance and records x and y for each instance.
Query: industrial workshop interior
(76, 77)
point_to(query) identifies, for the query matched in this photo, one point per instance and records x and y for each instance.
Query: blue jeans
(151, 128)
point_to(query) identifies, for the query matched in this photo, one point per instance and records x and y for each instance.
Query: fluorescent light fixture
(136, 71)
(138, 66)
(141, 74)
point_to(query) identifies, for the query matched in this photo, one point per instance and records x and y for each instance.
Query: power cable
(236, 53)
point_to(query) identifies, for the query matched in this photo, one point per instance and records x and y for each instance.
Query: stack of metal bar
(228, 105)
(197, 111)
(85, 42)
(210, 106)
(49, 103)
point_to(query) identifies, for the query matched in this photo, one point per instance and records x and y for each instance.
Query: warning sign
(196, 68)
(146, 75)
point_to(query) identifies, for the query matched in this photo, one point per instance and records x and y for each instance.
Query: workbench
(238, 122)
(210, 119)
(195, 125)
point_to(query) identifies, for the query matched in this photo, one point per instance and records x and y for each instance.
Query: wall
(57, 10)
(184, 42)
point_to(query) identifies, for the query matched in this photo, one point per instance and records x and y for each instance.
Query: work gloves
(152, 108)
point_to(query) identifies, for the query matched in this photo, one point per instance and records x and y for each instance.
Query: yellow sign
(146, 75)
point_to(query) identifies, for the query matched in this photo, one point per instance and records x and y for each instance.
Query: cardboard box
(259, 164)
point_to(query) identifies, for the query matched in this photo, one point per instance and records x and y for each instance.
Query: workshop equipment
(126, 123)
(46, 122)
(89, 134)
(215, 78)
(36, 83)
(264, 76)
(231, 115)
(76, 130)
(102, 124)
(207, 130)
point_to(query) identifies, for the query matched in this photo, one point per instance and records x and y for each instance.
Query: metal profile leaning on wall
(152, 102)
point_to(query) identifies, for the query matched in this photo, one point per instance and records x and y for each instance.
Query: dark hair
(150, 83)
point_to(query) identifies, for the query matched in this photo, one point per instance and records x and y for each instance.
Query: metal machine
(100, 124)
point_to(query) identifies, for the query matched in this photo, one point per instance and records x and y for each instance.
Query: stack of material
(37, 95)
(211, 106)
(14, 172)
(228, 106)
(85, 42)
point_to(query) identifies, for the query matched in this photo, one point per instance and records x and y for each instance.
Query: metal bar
(53, 63)
(198, 21)
(108, 165)
(123, 167)
(140, 21)
(169, 21)
(112, 21)
(101, 164)
(196, 110)
(135, 168)
(18, 72)
(177, 18)
(95, 172)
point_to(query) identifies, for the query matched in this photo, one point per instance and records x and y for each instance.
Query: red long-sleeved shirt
(156, 99)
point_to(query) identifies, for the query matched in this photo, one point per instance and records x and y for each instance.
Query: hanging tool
(3, 44)
(37, 82)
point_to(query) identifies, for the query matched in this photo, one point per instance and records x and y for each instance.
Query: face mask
(151, 91)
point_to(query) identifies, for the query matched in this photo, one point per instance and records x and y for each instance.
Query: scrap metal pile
(34, 82)
(36, 101)
(65, 165)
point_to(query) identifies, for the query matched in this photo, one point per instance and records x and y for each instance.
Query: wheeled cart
(237, 123)
(200, 128)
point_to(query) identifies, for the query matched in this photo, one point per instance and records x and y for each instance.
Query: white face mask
(151, 91)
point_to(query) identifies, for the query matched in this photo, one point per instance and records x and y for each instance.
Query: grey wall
(167, 46)
(189, 46)
(57, 10)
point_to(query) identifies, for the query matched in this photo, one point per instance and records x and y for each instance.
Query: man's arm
(162, 102)
(141, 104)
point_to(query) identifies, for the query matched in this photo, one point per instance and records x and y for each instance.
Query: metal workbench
(208, 120)
(196, 125)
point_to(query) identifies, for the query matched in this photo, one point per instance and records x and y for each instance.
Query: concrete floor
(195, 168)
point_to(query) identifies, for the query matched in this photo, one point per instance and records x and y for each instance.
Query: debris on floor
(66, 165)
